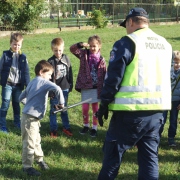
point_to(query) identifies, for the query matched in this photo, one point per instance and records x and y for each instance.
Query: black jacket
(69, 76)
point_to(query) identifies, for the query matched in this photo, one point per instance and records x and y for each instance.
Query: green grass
(79, 157)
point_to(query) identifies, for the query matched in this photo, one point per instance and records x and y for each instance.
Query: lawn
(79, 157)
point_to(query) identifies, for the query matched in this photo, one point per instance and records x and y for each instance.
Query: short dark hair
(139, 20)
(16, 37)
(176, 55)
(43, 66)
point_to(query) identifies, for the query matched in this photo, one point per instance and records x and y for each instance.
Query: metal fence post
(113, 12)
(177, 13)
(114, 8)
(77, 7)
(154, 13)
(58, 19)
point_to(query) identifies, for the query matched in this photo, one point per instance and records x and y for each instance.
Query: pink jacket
(84, 80)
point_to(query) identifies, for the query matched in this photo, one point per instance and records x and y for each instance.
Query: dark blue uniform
(128, 128)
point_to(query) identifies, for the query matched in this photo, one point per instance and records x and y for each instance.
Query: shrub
(21, 14)
(98, 18)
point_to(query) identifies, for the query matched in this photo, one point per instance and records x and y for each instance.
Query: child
(90, 78)
(63, 77)
(36, 95)
(14, 73)
(175, 85)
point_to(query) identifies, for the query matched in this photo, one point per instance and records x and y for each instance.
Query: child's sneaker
(93, 133)
(31, 171)
(171, 142)
(43, 165)
(68, 132)
(54, 134)
(84, 130)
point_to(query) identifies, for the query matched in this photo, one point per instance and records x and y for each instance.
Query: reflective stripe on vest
(146, 83)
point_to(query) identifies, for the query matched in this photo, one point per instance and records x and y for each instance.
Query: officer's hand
(24, 101)
(102, 111)
(178, 108)
(58, 106)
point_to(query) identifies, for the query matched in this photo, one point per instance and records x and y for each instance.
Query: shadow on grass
(11, 128)
(75, 146)
(59, 174)
(164, 143)
(76, 151)
(174, 39)
(76, 174)
(91, 144)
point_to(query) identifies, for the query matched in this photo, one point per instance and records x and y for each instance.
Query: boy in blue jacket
(175, 85)
(14, 76)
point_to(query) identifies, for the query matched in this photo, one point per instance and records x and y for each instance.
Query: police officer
(137, 89)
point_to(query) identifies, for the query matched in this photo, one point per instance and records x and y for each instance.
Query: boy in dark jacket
(14, 76)
(63, 77)
(92, 71)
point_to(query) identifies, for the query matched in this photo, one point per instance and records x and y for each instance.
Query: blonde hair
(57, 42)
(176, 55)
(16, 37)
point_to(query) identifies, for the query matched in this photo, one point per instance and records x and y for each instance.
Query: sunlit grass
(79, 157)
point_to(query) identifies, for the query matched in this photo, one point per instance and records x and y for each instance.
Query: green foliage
(29, 16)
(98, 18)
(22, 15)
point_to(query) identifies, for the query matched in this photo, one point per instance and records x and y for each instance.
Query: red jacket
(84, 80)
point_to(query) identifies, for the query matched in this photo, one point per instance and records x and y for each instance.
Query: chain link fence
(79, 13)
(115, 12)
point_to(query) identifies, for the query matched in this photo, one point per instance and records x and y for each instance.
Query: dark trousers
(172, 120)
(127, 129)
(64, 114)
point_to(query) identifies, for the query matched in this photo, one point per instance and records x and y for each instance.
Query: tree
(22, 14)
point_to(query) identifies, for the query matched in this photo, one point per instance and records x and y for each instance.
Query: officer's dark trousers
(127, 129)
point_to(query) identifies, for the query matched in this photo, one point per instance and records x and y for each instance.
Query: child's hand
(86, 45)
(24, 101)
(58, 106)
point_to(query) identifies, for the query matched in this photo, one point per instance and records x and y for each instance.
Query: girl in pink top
(90, 78)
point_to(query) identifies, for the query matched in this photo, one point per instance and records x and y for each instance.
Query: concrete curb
(56, 30)
(50, 30)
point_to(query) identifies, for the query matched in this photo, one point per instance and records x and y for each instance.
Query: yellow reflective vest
(146, 84)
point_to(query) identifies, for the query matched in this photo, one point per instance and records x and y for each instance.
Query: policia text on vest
(153, 45)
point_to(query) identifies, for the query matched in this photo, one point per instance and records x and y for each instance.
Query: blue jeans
(64, 114)
(127, 129)
(7, 92)
(172, 120)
